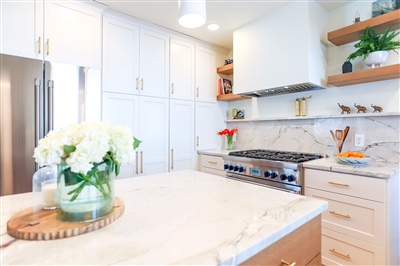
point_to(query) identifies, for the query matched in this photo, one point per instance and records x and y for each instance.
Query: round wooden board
(49, 227)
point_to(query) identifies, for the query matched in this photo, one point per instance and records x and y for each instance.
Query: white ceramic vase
(376, 59)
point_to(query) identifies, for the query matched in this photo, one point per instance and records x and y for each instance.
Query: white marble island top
(184, 217)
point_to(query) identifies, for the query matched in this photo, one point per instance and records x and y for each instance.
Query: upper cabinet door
(154, 64)
(206, 78)
(182, 65)
(22, 28)
(120, 57)
(72, 34)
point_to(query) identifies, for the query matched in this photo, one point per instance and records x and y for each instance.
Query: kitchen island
(185, 217)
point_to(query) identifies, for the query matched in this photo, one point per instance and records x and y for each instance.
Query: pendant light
(192, 13)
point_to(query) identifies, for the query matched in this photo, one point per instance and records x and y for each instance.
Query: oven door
(266, 183)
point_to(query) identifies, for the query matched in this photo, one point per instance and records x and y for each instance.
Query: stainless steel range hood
(283, 90)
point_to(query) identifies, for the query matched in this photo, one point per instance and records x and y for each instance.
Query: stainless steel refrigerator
(36, 97)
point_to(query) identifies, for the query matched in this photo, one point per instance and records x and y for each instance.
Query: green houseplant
(371, 42)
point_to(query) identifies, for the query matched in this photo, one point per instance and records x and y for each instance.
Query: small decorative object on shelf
(237, 114)
(357, 17)
(377, 109)
(303, 105)
(88, 156)
(297, 107)
(230, 135)
(381, 7)
(228, 61)
(360, 108)
(347, 67)
(374, 47)
(345, 109)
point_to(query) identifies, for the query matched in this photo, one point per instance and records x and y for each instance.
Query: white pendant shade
(192, 13)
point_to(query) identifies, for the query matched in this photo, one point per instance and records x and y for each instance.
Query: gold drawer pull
(338, 184)
(211, 162)
(346, 256)
(339, 214)
(287, 263)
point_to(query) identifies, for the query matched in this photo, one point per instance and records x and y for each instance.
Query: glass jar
(44, 188)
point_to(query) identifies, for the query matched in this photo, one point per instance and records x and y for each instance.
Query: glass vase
(229, 142)
(84, 198)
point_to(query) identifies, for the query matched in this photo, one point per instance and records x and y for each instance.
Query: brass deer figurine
(344, 109)
(360, 108)
(376, 108)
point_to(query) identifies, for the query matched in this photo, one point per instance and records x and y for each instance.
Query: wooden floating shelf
(231, 97)
(227, 69)
(364, 76)
(380, 24)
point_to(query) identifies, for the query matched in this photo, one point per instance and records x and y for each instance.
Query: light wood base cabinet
(302, 247)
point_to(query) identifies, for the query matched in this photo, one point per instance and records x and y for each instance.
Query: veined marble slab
(184, 217)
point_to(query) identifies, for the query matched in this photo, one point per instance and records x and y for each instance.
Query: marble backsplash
(381, 134)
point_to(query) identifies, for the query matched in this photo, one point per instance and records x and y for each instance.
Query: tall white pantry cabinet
(149, 86)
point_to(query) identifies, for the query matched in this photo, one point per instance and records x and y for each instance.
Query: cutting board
(49, 227)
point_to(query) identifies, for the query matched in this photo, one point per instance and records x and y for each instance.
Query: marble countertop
(372, 169)
(184, 217)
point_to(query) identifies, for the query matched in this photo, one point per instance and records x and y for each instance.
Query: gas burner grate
(272, 155)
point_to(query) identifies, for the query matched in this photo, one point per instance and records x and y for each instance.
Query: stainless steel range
(281, 170)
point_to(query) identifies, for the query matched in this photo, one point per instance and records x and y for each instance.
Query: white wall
(324, 102)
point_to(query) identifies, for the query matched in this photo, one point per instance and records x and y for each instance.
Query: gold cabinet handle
(137, 83)
(141, 162)
(283, 262)
(39, 45)
(197, 141)
(339, 214)
(172, 159)
(211, 162)
(172, 88)
(197, 93)
(137, 163)
(346, 256)
(141, 84)
(47, 47)
(338, 184)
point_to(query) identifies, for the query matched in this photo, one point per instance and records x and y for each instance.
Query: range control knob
(283, 177)
(291, 178)
(230, 167)
(226, 166)
(267, 173)
(241, 169)
(274, 174)
(236, 168)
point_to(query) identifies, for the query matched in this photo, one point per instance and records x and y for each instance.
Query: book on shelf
(220, 87)
(227, 85)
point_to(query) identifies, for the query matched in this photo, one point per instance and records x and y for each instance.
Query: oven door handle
(261, 182)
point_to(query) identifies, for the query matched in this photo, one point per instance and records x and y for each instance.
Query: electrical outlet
(359, 140)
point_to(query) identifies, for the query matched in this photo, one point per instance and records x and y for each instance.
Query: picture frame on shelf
(381, 7)
(227, 85)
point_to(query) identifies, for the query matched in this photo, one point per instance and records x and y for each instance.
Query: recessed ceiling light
(213, 26)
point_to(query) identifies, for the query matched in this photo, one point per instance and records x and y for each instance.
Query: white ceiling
(228, 14)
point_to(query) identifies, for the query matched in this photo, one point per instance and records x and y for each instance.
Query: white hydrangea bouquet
(82, 151)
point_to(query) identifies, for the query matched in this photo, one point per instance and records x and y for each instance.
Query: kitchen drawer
(358, 218)
(339, 249)
(214, 162)
(351, 185)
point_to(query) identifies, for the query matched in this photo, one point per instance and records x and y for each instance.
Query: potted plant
(374, 47)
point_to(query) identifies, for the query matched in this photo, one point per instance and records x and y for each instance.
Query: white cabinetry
(120, 56)
(182, 135)
(122, 110)
(206, 78)
(22, 28)
(65, 32)
(136, 60)
(147, 117)
(182, 65)
(362, 217)
(212, 164)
